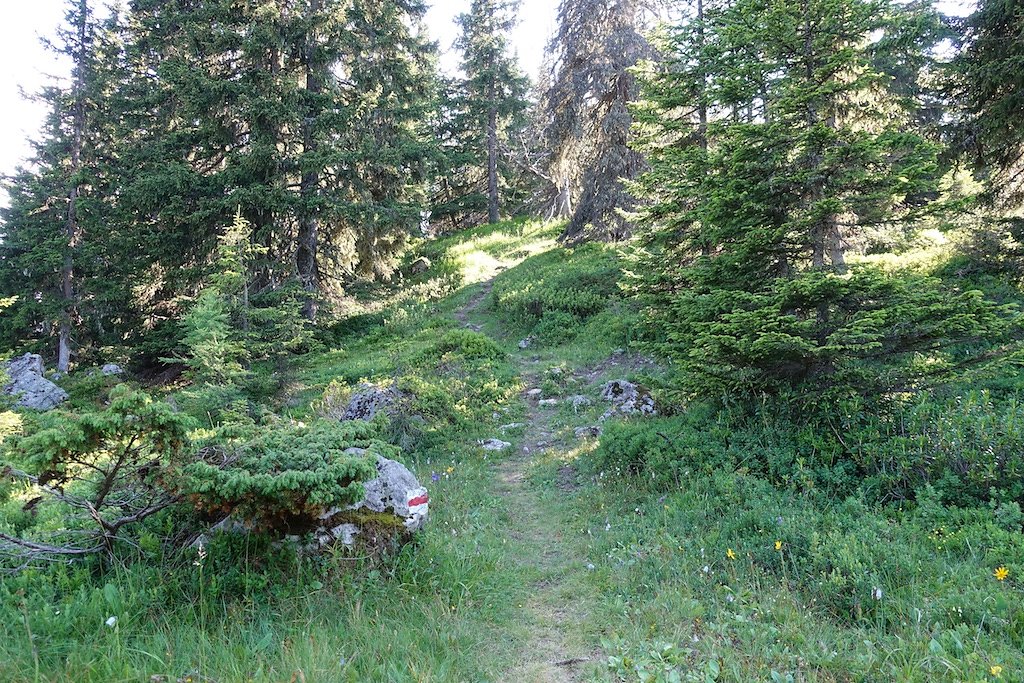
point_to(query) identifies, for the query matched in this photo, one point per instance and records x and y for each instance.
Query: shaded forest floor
(538, 566)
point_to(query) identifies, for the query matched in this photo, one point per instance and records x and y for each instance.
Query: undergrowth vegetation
(718, 541)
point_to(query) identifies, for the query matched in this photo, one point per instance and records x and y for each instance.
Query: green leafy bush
(556, 328)
(469, 345)
(968, 449)
(285, 477)
(825, 336)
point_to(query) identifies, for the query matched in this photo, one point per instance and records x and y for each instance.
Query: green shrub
(579, 283)
(818, 337)
(556, 328)
(285, 477)
(468, 344)
(968, 449)
(100, 473)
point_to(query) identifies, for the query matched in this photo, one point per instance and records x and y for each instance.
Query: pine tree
(989, 81)
(750, 224)
(55, 231)
(597, 44)
(310, 116)
(495, 90)
(380, 125)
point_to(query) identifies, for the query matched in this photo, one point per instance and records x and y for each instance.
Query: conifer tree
(494, 91)
(989, 89)
(308, 115)
(749, 227)
(56, 231)
(597, 44)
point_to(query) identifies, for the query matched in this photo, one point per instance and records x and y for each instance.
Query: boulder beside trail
(396, 491)
(420, 265)
(111, 370)
(495, 445)
(26, 382)
(628, 399)
(369, 400)
(394, 505)
(579, 401)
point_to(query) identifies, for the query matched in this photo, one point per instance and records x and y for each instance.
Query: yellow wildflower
(778, 545)
(730, 554)
(1001, 573)
(996, 671)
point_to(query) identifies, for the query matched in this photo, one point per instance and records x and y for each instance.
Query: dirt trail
(555, 609)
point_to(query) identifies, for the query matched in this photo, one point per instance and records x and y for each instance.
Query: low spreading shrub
(101, 473)
(579, 283)
(283, 478)
(969, 448)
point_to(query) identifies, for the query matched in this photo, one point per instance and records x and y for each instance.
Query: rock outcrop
(627, 399)
(369, 400)
(420, 266)
(394, 505)
(26, 382)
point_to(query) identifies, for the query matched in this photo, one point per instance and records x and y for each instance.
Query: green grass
(630, 573)
(806, 612)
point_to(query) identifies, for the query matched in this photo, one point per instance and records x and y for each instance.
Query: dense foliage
(752, 411)
(287, 477)
(754, 217)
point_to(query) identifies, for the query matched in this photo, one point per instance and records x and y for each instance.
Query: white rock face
(420, 265)
(579, 401)
(396, 491)
(27, 383)
(495, 445)
(111, 369)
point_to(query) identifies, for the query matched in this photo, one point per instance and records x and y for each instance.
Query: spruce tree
(750, 227)
(56, 231)
(587, 109)
(311, 117)
(494, 91)
(989, 89)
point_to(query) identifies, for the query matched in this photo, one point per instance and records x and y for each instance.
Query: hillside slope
(564, 557)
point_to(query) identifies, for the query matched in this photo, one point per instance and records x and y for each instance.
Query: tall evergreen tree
(308, 115)
(597, 44)
(495, 90)
(55, 231)
(990, 91)
(801, 155)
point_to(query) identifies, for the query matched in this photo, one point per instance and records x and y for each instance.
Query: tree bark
(492, 165)
(72, 228)
(306, 256)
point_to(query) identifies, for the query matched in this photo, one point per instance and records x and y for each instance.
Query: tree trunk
(562, 206)
(306, 256)
(72, 229)
(492, 165)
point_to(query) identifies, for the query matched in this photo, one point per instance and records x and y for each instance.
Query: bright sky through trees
(28, 63)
